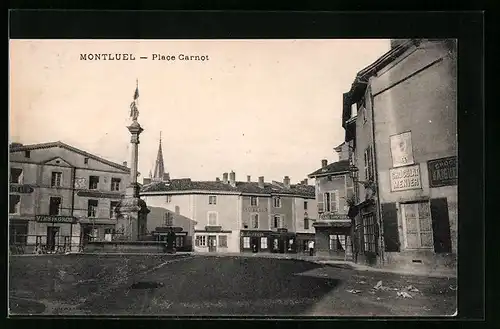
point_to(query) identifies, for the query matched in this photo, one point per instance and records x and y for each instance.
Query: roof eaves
(71, 148)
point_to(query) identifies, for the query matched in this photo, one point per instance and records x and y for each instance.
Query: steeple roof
(159, 166)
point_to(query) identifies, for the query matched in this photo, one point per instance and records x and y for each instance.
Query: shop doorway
(18, 234)
(212, 243)
(254, 243)
(52, 234)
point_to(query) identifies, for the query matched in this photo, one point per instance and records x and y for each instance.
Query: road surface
(242, 286)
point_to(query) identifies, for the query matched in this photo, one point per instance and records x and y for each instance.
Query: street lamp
(354, 174)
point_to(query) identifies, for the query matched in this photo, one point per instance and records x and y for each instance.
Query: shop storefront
(181, 238)
(255, 241)
(302, 240)
(333, 236)
(49, 234)
(366, 232)
(283, 242)
(18, 235)
(97, 230)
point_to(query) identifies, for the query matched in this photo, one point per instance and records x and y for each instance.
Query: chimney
(146, 181)
(286, 181)
(261, 181)
(324, 163)
(166, 176)
(305, 181)
(124, 163)
(217, 179)
(232, 178)
(224, 178)
(249, 179)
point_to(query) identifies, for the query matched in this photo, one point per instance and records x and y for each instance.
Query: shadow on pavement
(18, 306)
(224, 286)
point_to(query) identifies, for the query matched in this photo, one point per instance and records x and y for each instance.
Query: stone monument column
(132, 211)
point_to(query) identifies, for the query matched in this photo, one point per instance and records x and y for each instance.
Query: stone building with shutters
(226, 215)
(332, 190)
(61, 196)
(400, 119)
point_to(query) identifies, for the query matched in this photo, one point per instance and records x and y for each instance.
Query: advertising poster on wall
(401, 149)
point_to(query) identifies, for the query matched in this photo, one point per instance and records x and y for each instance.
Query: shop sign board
(23, 189)
(55, 219)
(254, 209)
(333, 216)
(252, 234)
(405, 178)
(443, 172)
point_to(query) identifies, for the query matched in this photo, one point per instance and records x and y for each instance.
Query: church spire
(159, 172)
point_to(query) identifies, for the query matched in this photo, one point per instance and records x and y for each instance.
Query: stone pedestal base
(132, 219)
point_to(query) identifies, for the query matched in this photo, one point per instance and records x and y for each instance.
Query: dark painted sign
(166, 229)
(213, 228)
(97, 194)
(443, 172)
(333, 216)
(17, 188)
(253, 234)
(55, 219)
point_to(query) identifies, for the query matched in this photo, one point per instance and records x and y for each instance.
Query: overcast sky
(258, 107)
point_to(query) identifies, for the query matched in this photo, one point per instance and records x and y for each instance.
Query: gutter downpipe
(374, 153)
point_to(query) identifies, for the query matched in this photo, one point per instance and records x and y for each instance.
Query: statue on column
(134, 111)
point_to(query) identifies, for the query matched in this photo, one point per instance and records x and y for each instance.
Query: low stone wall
(126, 247)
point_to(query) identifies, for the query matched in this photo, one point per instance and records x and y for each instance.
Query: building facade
(61, 196)
(401, 116)
(231, 216)
(333, 227)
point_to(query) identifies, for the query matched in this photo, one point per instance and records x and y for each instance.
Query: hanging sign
(23, 189)
(401, 149)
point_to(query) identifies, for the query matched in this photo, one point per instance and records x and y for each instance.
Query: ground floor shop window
(263, 243)
(179, 241)
(337, 242)
(333, 242)
(246, 242)
(369, 236)
(223, 241)
(417, 225)
(108, 234)
(18, 234)
(341, 245)
(201, 241)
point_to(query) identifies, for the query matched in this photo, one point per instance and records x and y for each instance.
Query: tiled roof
(179, 185)
(332, 168)
(18, 147)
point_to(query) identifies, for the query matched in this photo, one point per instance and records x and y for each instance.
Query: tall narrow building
(159, 172)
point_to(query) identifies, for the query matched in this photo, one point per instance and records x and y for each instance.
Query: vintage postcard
(252, 177)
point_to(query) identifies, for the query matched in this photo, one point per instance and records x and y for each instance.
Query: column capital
(135, 128)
